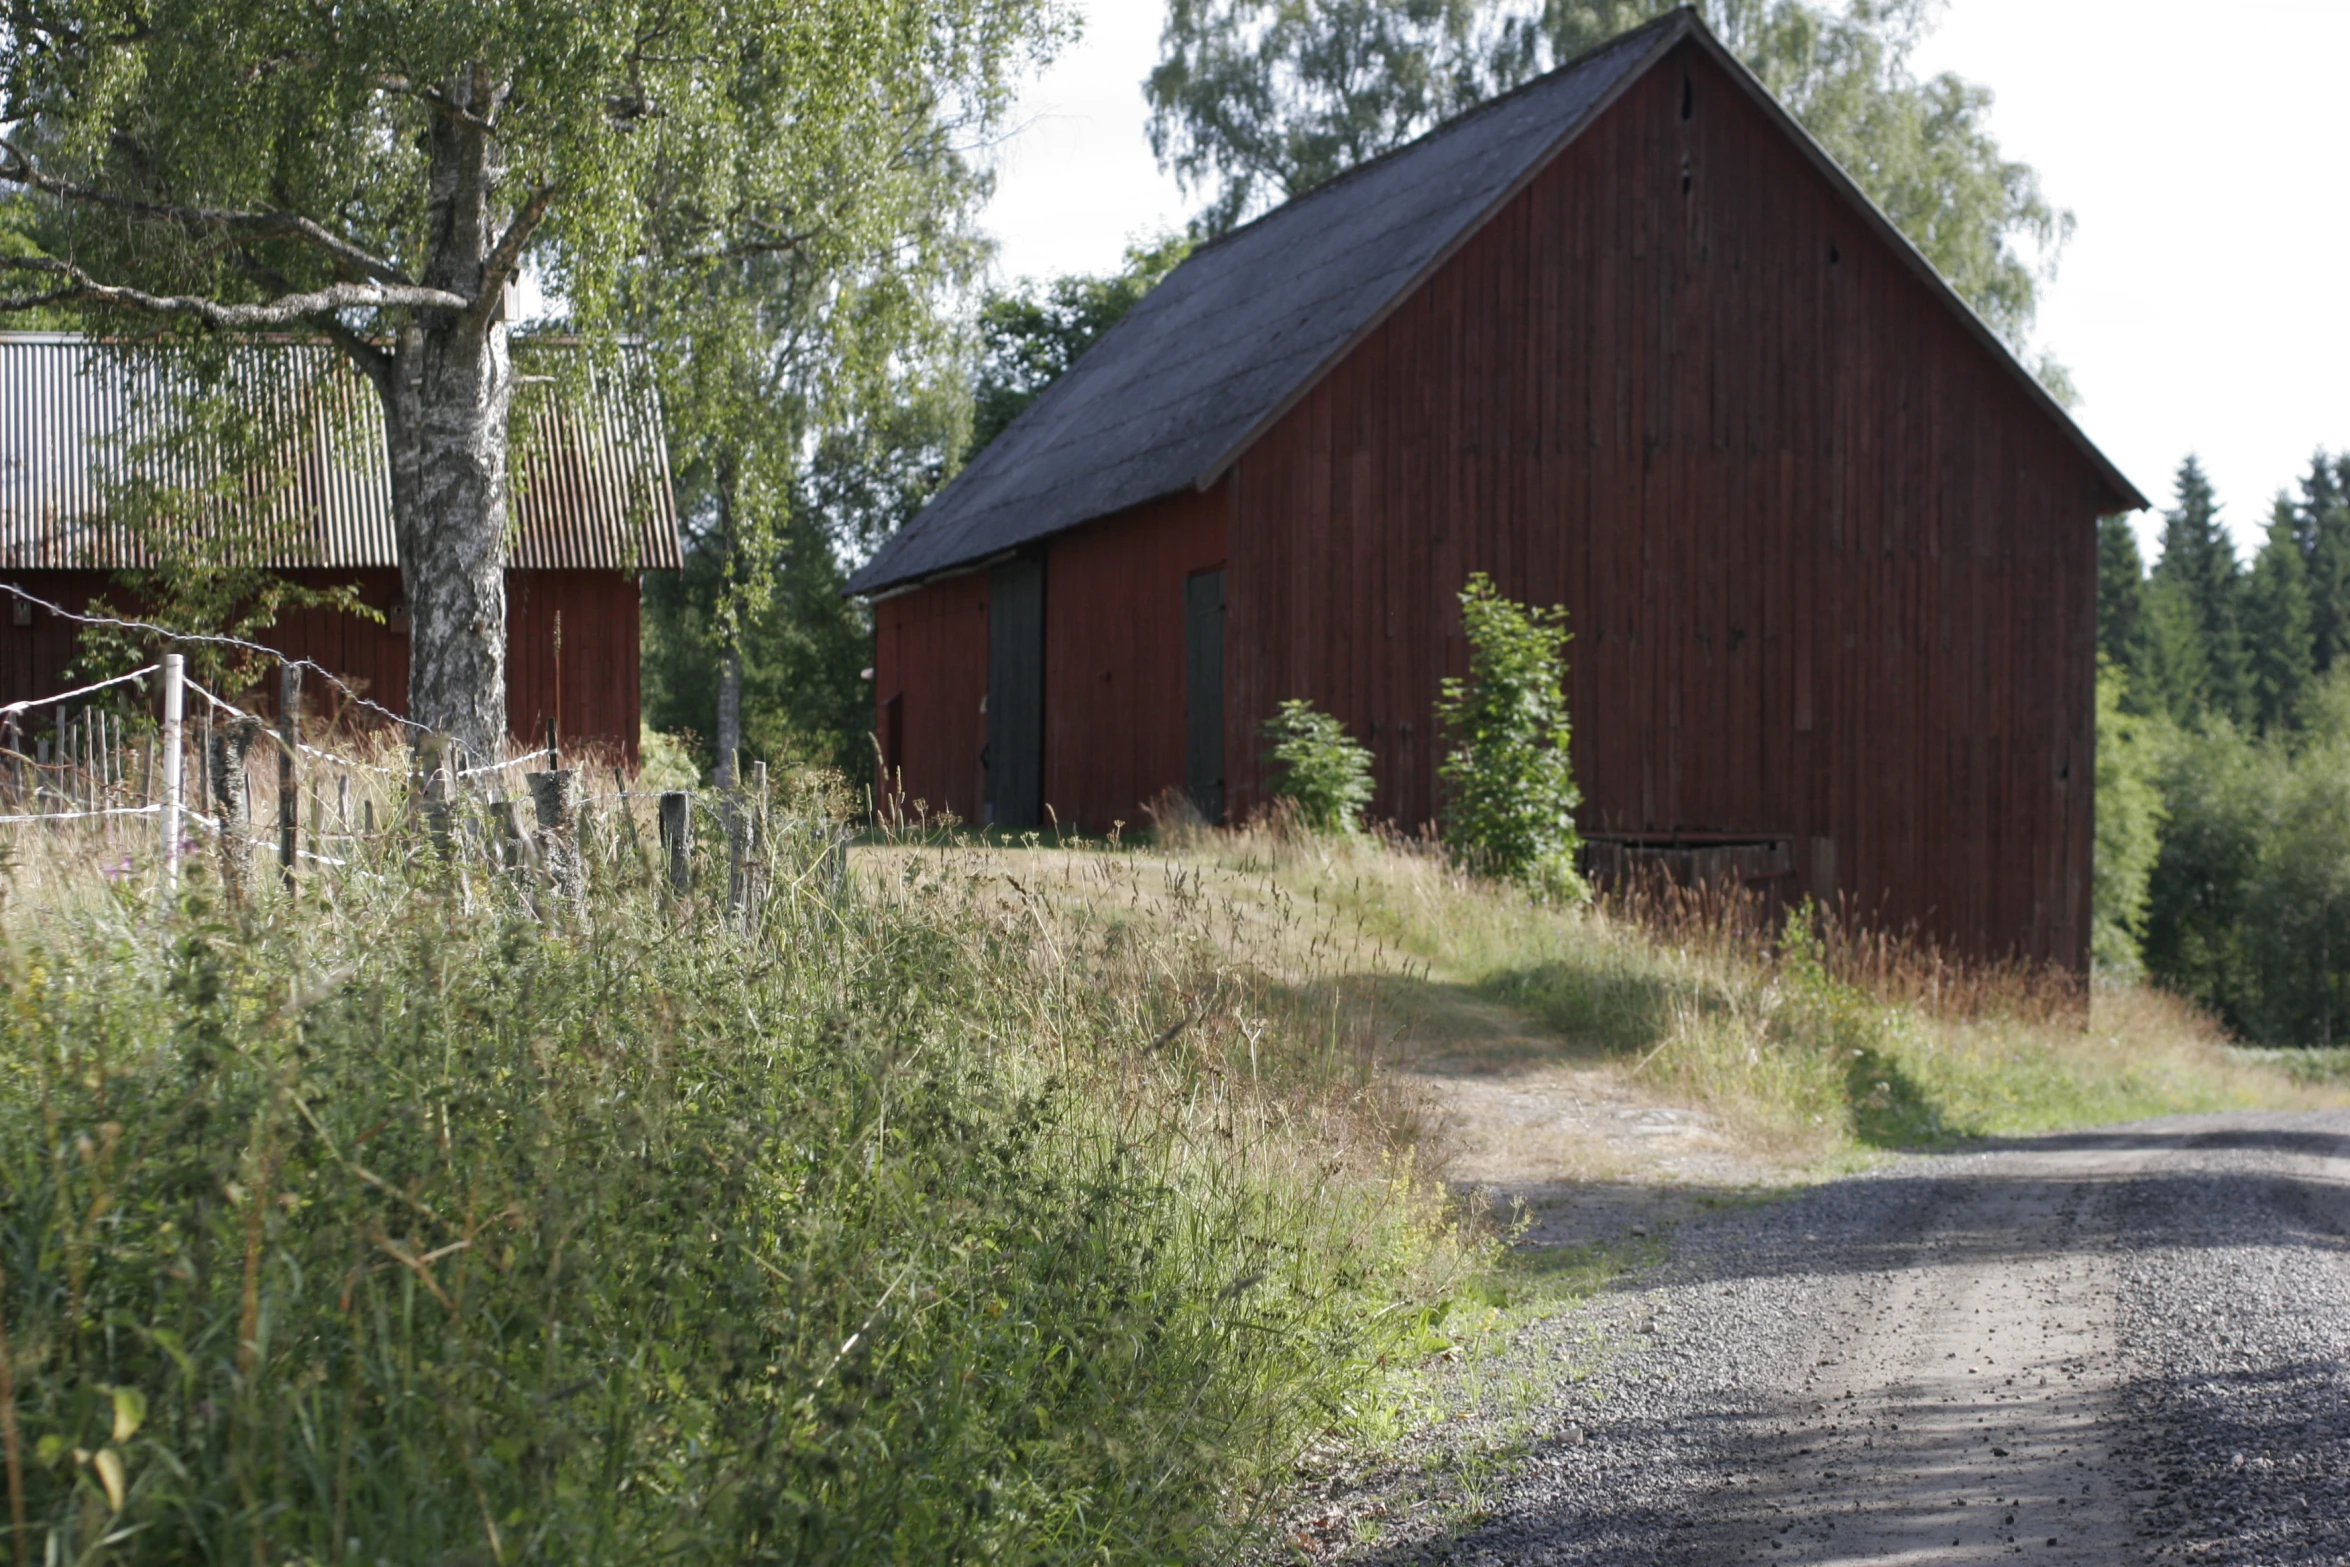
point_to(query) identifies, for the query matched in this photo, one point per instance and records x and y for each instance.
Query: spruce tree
(2200, 559)
(2169, 669)
(2276, 624)
(2322, 525)
(2121, 590)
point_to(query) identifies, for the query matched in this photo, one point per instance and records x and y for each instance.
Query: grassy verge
(1817, 1049)
(917, 1223)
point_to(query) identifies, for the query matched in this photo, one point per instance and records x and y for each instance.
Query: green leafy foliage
(2238, 696)
(803, 650)
(817, 390)
(1509, 783)
(2130, 814)
(1320, 769)
(680, 134)
(1031, 334)
(403, 1228)
(2252, 888)
(1255, 101)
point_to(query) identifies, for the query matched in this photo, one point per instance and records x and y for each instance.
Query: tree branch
(506, 255)
(263, 225)
(437, 100)
(373, 362)
(83, 289)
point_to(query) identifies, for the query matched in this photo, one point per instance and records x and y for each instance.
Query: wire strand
(217, 640)
(67, 696)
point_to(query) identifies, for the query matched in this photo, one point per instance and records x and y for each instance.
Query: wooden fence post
(12, 740)
(232, 800)
(634, 843)
(730, 817)
(433, 767)
(289, 773)
(557, 794)
(677, 838)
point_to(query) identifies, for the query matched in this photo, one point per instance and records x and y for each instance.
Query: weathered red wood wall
(573, 653)
(930, 695)
(593, 690)
(1830, 571)
(1113, 668)
(1114, 674)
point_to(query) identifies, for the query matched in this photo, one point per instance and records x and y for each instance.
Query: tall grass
(388, 1222)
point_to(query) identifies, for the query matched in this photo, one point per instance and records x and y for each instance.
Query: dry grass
(1857, 1041)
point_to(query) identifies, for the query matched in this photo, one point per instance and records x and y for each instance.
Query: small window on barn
(893, 734)
(1835, 256)
(1688, 98)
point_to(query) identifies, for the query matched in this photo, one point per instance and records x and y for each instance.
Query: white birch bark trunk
(730, 715)
(448, 387)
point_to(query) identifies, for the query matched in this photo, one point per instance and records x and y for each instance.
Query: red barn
(91, 454)
(1628, 340)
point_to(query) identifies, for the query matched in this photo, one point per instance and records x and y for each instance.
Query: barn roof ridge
(589, 488)
(1094, 443)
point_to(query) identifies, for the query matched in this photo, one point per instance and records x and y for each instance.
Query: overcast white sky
(2203, 305)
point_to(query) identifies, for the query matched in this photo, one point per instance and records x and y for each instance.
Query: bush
(1511, 796)
(2250, 895)
(1320, 770)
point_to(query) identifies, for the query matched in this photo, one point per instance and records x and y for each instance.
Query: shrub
(2251, 891)
(1511, 796)
(1324, 773)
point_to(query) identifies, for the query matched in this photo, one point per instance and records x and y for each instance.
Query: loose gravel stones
(2123, 1345)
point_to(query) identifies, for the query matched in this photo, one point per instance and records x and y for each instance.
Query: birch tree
(381, 172)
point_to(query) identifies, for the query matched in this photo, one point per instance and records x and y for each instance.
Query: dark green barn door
(1203, 692)
(1015, 694)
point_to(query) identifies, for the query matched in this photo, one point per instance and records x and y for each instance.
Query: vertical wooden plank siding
(1830, 571)
(930, 660)
(600, 680)
(597, 678)
(1113, 667)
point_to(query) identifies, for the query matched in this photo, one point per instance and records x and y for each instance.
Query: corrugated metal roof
(1172, 395)
(97, 446)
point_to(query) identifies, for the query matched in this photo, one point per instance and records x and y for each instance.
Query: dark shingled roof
(1210, 358)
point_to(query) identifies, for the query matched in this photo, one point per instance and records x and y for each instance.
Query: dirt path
(2124, 1345)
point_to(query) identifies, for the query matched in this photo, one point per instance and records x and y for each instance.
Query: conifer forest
(2223, 831)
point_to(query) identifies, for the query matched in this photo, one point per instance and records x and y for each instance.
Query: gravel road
(2122, 1345)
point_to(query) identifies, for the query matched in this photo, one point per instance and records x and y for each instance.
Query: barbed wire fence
(80, 773)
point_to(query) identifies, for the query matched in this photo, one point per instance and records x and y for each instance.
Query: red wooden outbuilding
(96, 452)
(1628, 340)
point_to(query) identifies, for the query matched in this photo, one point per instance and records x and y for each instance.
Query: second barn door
(1203, 692)
(1015, 694)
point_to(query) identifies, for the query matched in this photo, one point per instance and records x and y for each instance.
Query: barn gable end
(1827, 549)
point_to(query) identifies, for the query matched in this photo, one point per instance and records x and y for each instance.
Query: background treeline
(2223, 782)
